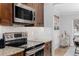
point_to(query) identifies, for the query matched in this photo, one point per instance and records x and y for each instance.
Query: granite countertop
(31, 43)
(46, 41)
(41, 40)
(7, 51)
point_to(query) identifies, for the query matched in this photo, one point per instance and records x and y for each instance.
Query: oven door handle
(40, 48)
(33, 51)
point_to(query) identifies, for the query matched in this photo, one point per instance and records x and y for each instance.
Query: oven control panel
(14, 35)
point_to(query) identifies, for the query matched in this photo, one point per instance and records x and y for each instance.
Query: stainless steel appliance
(23, 14)
(20, 40)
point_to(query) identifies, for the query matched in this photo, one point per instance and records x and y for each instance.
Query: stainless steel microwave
(23, 14)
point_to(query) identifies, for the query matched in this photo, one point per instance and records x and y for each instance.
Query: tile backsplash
(34, 33)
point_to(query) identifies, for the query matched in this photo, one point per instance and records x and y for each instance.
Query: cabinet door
(48, 49)
(39, 15)
(5, 14)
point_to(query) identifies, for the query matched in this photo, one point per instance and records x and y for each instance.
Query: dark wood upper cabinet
(48, 49)
(6, 14)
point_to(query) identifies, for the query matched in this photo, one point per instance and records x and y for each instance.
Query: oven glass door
(40, 53)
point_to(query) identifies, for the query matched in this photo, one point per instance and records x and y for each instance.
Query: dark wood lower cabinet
(48, 49)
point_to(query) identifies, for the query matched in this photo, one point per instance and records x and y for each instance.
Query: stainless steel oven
(19, 39)
(36, 51)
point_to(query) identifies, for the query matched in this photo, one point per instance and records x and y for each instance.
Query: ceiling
(65, 8)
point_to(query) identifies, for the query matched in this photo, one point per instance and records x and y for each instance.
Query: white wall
(66, 18)
(67, 24)
(48, 15)
(34, 33)
(49, 11)
(56, 39)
